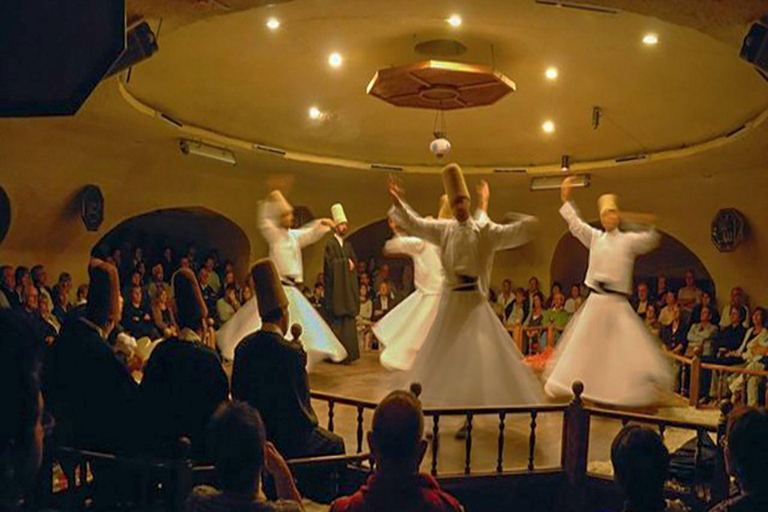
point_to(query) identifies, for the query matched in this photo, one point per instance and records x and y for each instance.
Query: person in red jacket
(397, 444)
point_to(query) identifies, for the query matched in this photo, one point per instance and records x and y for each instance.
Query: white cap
(337, 212)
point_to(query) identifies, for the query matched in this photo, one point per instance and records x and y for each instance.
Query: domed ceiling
(234, 75)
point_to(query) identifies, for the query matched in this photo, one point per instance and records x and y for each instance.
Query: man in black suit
(90, 392)
(269, 373)
(183, 381)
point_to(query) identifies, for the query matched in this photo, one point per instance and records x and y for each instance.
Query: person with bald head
(397, 444)
(184, 381)
(606, 345)
(89, 390)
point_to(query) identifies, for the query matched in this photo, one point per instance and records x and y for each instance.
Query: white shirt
(505, 301)
(466, 248)
(611, 254)
(427, 269)
(285, 245)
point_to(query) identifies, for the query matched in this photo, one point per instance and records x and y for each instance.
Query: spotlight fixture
(273, 24)
(565, 163)
(315, 113)
(454, 20)
(551, 73)
(650, 39)
(548, 127)
(335, 60)
(194, 147)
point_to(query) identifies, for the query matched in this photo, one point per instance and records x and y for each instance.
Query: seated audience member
(555, 289)
(689, 295)
(61, 305)
(22, 279)
(365, 280)
(640, 468)
(158, 281)
(675, 335)
(667, 312)
(746, 455)
(162, 315)
(574, 301)
(661, 292)
(397, 444)
(168, 262)
(384, 276)
(91, 393)
(365, 316)
(702, 334)
(383, 303)
(642, 299)
(81, 298)
(270, 374)
(726, 351)
(517, 312)
(652, 322)
(135, 280)
(137, 320)
(706, 302)
(505, 298)
(50, 325)
(212, 277)
(240, 451)
(535, 319)
(227, 306)
(21, 429)
(738, 301)
(557, 317)
(8, 286)
(533, 289)
(229, 279)
(40, 281)
(209, 295)
(753, 352)
(184, 381)
(246, 293)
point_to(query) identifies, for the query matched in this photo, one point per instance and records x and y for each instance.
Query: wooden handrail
(644, 418)
(344, 400)
(734, 369)
(677, 357)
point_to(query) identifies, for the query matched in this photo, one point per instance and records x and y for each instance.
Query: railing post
(575, 447)
(694, 386)
(721, 482)
(183, 481)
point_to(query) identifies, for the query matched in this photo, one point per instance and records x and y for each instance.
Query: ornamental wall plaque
(729, 229)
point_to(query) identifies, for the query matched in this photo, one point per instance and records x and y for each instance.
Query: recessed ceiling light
(273, 24)
(454, 20)
(548, 127)
(335, 59)
(650, 39)
(315, 113)
(551, 73)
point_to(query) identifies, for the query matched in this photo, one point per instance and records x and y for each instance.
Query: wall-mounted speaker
(53, 53)
(92, 207)
(141, 44)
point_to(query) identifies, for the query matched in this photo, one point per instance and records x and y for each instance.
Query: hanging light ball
(440, 147)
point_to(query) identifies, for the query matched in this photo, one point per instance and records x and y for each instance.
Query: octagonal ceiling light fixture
(440, 85)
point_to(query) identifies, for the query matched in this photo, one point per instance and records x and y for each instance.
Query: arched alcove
(177, 228)
(672, 258)
(368, 242)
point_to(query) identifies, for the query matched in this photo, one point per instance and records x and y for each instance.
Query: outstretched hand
(566, 188)
(328, 222)
(396, 190)
(483, 194)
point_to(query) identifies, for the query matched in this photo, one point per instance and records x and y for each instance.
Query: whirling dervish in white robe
(285, 247)
(606, 345)
(467, 358)
(403, 330)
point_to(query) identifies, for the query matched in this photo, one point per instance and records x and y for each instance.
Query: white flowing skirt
(403, 330)
(317, 337)
(608, 348)
(468, 359)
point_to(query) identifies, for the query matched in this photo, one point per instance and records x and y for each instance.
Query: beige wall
(44, 163)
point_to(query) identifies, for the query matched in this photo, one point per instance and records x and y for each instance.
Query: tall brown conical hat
(445, 211)
(453, 182)
(190, 305)
(103, 292)
(270, 294)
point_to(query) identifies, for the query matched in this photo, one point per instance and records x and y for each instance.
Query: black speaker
(53, 53)
(754, 49)
(141, 45)
(92, 207)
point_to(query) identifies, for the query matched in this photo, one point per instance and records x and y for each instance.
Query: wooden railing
(517, 332)
(693, 377)
(178, 475)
